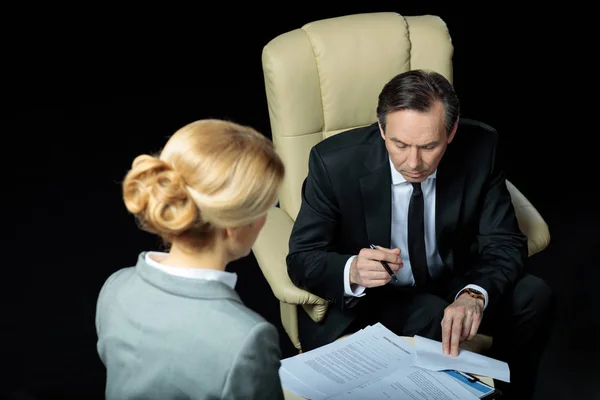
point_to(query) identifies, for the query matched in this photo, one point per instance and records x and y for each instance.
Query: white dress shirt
(401, 194)
(152, 258)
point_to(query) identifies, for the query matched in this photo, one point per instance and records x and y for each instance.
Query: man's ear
(381, 130)
(453, 131)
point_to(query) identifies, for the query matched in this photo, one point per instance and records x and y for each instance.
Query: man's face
(416, 141)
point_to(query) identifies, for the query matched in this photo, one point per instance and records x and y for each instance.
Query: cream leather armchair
(325, 78)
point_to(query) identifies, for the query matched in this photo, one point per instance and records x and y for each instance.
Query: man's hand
(366, 269)
(461, 322)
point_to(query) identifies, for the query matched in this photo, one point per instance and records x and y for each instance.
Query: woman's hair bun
(156, 194)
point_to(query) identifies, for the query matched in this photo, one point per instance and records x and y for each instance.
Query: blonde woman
(172, 326)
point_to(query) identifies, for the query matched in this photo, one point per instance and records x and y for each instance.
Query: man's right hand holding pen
(366, 269)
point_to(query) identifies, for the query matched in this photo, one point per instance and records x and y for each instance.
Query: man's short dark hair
(418, 90)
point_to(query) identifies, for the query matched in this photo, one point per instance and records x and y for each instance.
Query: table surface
(293, 396)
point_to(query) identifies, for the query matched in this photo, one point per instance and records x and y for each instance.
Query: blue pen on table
(386, 266)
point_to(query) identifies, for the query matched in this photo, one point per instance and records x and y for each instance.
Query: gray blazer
(167, 337)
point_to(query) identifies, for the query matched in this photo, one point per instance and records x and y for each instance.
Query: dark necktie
(416, 236)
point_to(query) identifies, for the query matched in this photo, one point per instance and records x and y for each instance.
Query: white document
(429, 355)
(410, 383)
(291, 384)
(368, 354)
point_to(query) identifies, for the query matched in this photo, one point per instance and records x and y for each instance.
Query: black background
(85, 91)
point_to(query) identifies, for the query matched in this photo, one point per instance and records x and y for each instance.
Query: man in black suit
(423, 186)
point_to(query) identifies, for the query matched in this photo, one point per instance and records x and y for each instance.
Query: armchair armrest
(530, 221)
(270, 250)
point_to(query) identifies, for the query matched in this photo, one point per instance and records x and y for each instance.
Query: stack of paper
(373, 363)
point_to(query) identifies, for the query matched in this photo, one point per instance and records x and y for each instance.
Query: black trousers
(519, 324)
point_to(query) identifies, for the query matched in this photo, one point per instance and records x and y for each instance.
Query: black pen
(386, 266)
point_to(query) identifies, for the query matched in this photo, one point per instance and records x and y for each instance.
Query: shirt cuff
(348, 291)
(479, 289)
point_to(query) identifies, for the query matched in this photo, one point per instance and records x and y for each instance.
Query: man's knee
(533, 295)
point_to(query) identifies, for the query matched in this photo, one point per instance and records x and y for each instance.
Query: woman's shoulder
(244, 318)
(116, 278)
(244, 336)
(228, 334)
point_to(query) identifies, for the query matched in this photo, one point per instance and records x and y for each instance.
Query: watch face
(475, 291)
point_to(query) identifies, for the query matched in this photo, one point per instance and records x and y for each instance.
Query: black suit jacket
(346, 205)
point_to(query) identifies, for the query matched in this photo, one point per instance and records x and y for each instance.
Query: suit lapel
(377, 195)
(449, 192)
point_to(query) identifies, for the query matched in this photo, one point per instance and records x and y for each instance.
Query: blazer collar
(181, 286)
(153, 259)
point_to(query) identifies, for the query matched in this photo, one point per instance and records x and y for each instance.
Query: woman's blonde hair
(210, 174)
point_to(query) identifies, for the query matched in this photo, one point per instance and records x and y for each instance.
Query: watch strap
(473, 293)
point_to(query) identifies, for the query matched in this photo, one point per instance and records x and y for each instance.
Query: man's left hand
(461, 322)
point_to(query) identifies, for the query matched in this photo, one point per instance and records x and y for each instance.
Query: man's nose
(414, 160)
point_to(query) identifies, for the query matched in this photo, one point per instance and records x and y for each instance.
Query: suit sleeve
(313, 262)
(501, 244)
(255, 370)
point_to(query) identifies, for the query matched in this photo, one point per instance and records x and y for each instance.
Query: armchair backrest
(325, 78)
